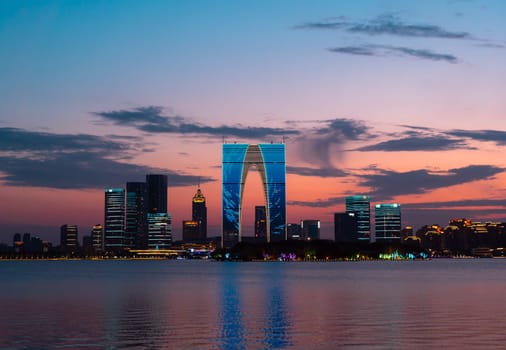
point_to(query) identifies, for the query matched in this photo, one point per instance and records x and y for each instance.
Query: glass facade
(388, 221)
(361, 206)
(159, 231)
(135, 230)
(269, 159)
(114, 219)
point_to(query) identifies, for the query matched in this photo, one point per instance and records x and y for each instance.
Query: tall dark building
(345, 227)
(156, 198)
(97, 236)
(191, 231)
(199, 213)
(310, 229)
(388, 221)
(260, 223)
(114, 219)
(361, 206)
(136, 224)
(294, 231)
(68, 238)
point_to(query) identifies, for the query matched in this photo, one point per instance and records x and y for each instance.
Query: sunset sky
(401, 100)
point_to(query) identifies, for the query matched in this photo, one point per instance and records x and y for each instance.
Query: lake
(193, 304)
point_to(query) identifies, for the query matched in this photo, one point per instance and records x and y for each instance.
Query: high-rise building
(199, 213)
(114, 219)
(136, 227)
(156, 194)
(159, 231)
(310, 229)
(68, 238)
(387, 219)
(97, 233)
(345, 227)
(269, 159)
(191, 231)
(260, 223)
(293, 231)
(361, 207)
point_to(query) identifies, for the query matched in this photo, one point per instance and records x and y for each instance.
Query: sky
(401, 100)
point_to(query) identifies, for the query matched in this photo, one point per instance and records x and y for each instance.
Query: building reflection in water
(276, 332)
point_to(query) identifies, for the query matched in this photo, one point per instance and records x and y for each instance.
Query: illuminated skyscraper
(136, 230)
(199, 213)
(269, 160)
(191, 231)
(156, 193)
(114, 219)
(97, 237)
(159, 231)
(361, 207)
(388, 221)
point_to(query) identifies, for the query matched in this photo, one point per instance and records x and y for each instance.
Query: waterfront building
(199, 214)
(293, 231)
(345, 227)
(387, 219)
(68, 238)
(159, 231)
(310, 229)
(269, 160)
(114, 219)
(360, 205)
(260, 223)
(135, 225)
(191, 231)
(97, 232)
(156, 193)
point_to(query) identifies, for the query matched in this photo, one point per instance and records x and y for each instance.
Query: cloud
(150, 119)
(319, 203)
(497, 136)
(320, 145)
(42, 159)
(386, 184)
(320, 172)
(387, 25)
(385, 50)
(416, 143)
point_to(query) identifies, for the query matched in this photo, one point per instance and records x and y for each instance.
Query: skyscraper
(361, 207)
(260, 223)
(114, 219)
(269, 160)
(345, 227)
(68, 238)
(97, 233)
(191, 231)
(136, 230)
(156, 193)
(199, 213)
(159, 231)
(388, 221)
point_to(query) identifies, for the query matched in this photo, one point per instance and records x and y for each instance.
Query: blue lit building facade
(360, 206)
(388, 221)
(114, 219)
(269, 160)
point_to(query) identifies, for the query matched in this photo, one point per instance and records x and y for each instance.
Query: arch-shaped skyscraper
(269, 160)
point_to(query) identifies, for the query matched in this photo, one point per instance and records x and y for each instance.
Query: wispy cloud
(317, 172)
(497, 136)
(151, 119)
(385, 50)
(387, 25)
(319, 203)
(417, 143)
(80, 161)
(386, 184)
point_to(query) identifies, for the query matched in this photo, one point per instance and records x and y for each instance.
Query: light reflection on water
(210, 305)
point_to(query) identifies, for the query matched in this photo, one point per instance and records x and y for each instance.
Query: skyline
(398, 100)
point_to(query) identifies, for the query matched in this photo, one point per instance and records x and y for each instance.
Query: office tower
(293, 231)
(269, 160)
(260, 223)
(360, 206)
(191, 231)
(388, 221)
(310, 229)
(135, 226)
(68, 238)
(345, 227)
(156, 194)
(199, 213)
(114, 219)
(159, 231)
(97, 238)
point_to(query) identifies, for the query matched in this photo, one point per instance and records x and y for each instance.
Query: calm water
(210, 305)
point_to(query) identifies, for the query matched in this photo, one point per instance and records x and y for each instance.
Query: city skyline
(399, 100)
